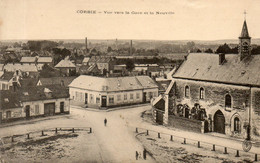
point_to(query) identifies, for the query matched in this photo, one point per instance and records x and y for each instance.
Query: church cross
(245, 14)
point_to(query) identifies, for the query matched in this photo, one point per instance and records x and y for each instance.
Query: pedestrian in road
(105, 122)
(136, 155)
(144, 154)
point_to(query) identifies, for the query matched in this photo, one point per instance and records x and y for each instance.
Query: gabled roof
(101, 59)
(28, 59)
(244, 33)
(113, 83)
(28, 82)
(30, 94)
(44, 60)
(65, 63)
(56, 80)
(7, 76)
(24, 67)
(201, 66)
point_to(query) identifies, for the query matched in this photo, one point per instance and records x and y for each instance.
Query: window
(237, 125)
(118, 97)
(131, 96)
(125, 96)
(8, 114)
(111, 99)
(97, 100)
(187, 91)
(137, 95)
(228, 101)
(37, 111)
(202, 93)
(150, 95)
(91, 98)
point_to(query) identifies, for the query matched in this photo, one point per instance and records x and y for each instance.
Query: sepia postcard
(124, 81)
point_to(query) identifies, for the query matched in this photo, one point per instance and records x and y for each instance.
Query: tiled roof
(202, 66)
(7, 76)
(28, 59)
(100, 59)
(44, 60)
(65, 63)
(11, 99)
(57, 80)
(24, 67)
(113, 83)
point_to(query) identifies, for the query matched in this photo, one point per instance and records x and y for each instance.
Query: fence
(30, 135)
(198, 143)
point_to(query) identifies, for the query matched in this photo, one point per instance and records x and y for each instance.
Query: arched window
(202, 93)
(237, 124)
(187, 91)
(228, 101)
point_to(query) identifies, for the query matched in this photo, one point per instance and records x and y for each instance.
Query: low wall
(186, 124)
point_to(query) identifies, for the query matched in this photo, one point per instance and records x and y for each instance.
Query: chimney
(131, 44)
(221, 58)
(86, 43)
(62, 83)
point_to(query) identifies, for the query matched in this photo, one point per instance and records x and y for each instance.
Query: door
(159, 117)
(62, 107)
(86, 98)
(219, 122)
(104, 101)
(0, 117)
(27, 111)
(49, 108)
(144, 97)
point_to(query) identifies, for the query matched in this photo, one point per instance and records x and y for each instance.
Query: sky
(188, 19)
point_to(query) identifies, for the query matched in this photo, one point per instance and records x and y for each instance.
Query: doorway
(144, 97)
(104, 101)
(86, 98)
(219, 122)
(27, 111)
(61, 107)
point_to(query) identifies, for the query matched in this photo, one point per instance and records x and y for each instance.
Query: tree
(198, 51)
(223, 49)
(209, 50)
(109, 49)
(130, 65)
(48, 71)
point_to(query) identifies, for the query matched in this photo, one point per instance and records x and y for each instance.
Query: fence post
(56, 130)
(171, 138)
(237, 155)
(198, 144)
(28, 136)
(72, 130)
(42, 133)
(12, 138)
(255, 157)
(159, 136)
(213, 149)
(184, 141)
(147, 132)
(225, 150)
(136, 130)
(90, 130)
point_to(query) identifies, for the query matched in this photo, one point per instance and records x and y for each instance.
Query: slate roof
(24, 67)
(244, 33)
(57, 80)
(44, 60)
(113, 83)
(7, 76)
(206, 67)
(30, 94)
(65, 63)
(28, 59)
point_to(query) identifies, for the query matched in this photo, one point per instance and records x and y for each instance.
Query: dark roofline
(219, 82)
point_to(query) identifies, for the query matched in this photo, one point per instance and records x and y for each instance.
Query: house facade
(66, 67)
(221, 95)
(103, 93)
(32, 102)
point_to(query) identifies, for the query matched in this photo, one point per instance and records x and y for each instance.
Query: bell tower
(244, 42)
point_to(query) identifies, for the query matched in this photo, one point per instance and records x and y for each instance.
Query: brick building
(221, 95)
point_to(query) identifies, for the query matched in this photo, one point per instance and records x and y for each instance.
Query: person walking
(136, 155)
(105, 122)
(144, 154)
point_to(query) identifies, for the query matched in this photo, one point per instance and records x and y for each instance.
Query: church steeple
(244, 42)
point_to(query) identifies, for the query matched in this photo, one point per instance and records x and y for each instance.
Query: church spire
(244, 33)
(244, 42)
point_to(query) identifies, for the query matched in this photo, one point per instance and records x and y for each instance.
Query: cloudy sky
(192, 19)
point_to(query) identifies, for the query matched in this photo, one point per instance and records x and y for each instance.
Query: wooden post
(147, 132)
(237, 155)
(28, 136)
(213, 149)
(90, 130)
(184, 141)
(42, 133)
(225, 150)
(198, 144)
(136, 130)
(56, 130)
(159, 136)
(73, 130)
(12, 138)
(171, 138)
(255, 157)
